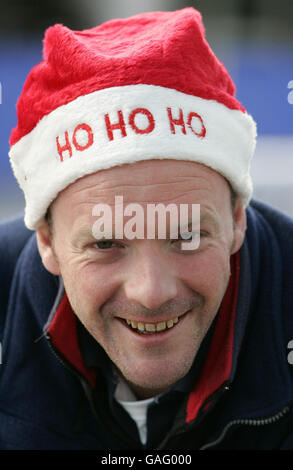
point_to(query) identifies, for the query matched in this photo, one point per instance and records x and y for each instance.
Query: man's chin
(146, 383)
(145, 390)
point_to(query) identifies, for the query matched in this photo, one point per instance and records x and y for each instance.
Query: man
(119, 341)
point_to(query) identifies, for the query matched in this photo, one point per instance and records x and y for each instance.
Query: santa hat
(140, 88)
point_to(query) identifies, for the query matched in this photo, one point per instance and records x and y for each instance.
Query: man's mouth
(151, 328)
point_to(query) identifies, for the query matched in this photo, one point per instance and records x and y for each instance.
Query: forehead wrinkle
(96, 197)
(99, 188)
(173, 180)
(189, 186)
(106, 180)
(151, 177)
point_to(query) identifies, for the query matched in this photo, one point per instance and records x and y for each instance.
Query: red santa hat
(140, 88)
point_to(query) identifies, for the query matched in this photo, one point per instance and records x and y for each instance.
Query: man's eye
(104, 244)
(188, 236)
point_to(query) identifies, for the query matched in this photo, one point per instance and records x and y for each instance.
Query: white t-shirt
(137, 409)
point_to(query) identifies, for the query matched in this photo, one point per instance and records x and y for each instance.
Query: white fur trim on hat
(127, 124)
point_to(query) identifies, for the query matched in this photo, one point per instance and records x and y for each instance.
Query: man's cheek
(204, 270)
(87, 289)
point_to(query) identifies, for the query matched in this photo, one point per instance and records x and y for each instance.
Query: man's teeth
(152, 327)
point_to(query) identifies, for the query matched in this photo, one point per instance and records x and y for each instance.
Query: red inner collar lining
(217, 366)
(63, 333)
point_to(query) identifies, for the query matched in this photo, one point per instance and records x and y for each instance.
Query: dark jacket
(49, 398)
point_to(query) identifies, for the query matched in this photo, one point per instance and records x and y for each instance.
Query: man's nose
(150, 280)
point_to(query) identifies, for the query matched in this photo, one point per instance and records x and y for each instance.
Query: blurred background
(253, 38)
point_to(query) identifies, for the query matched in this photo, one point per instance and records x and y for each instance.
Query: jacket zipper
(247, 422)
(84, 382)
(57, 355)
(212, 399)
(86, 386)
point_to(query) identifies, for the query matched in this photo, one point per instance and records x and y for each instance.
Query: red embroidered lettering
(177, 122)
(202, 133)
(65, 147)
(111, 127)
(90, 136)
(149, 116)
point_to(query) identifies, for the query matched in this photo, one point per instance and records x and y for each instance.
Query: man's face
(148, 281)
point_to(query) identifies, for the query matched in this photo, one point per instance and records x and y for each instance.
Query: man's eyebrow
(193, 224)
(206, 217)
(86, 233)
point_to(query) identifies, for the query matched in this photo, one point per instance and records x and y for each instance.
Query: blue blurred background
(253, 38)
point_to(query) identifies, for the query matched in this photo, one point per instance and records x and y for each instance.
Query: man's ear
(46, 250)
(239, 226)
